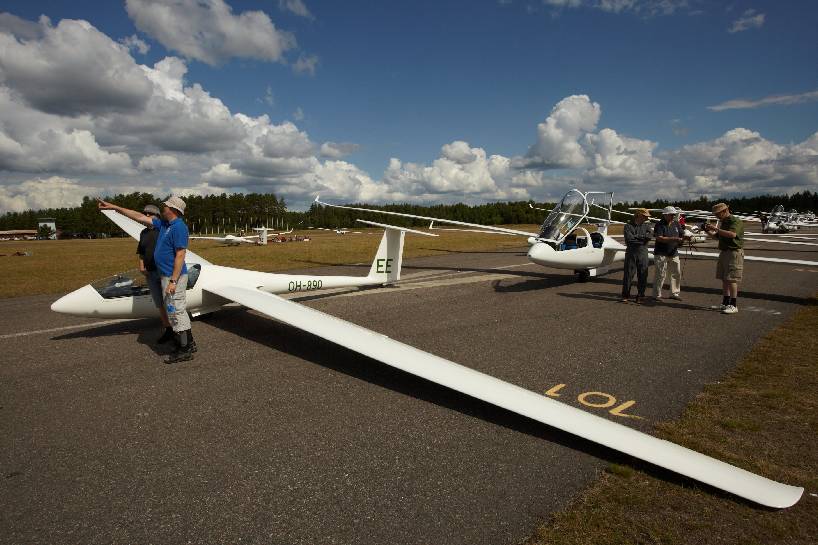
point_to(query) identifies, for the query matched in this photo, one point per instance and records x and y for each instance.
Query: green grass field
(763, 417)
(58, 266)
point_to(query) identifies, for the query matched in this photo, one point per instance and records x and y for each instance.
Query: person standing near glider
(147, 266)
(669, 234)
(730, 233)
(169, 256)
(637, 235)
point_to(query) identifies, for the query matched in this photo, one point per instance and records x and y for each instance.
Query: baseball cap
(176, 203)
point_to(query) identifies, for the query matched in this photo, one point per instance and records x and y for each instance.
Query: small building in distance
(51, 224)
(18, 234)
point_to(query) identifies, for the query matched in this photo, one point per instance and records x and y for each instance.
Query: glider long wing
(427, 218)
(514, 398)
(134, 228)
(691, 253)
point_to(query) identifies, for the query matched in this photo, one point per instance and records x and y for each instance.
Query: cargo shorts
(731, 265)
(176, 304)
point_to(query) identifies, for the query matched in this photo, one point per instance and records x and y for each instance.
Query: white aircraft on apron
(212, 286)
(563, 242)
(232, 240)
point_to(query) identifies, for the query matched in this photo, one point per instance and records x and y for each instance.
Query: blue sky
(402, 79)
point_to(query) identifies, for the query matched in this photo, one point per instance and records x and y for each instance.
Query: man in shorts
(730, 234)
(169, 255)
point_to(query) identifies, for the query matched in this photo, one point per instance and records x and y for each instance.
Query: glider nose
(540, 253)
(76, 302)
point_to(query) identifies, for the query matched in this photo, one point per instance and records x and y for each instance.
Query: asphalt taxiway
(274, 436)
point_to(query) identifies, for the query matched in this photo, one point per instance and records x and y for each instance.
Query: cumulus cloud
(749, 19)
(336, 150)
(207, 30)
(72, 69)
(461, 172)
(557, 144)
(773, 100)
(296, 7)
(742, 160)
(158, 162)
(648, 8)
(22, 28)
(135, 43)
(305, 64)
(32, 141)
(38, 193)
(269, 98)
(176, 126)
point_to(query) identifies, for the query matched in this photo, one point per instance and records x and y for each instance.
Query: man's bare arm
(133, 214)
(178, 263)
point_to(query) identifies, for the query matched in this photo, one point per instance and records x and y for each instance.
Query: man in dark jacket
(147, 266)
(637, 236)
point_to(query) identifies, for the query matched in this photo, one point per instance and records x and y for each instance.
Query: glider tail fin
(387, 263)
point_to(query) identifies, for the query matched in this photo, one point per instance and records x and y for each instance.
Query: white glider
(216, 286)
(562, 242)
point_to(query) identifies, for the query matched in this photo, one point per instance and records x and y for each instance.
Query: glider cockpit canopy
(133, 283)
(572, 210)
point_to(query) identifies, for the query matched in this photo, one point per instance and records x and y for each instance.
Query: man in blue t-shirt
(169, 257)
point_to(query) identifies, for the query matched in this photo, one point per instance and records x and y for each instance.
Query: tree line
(226, 213)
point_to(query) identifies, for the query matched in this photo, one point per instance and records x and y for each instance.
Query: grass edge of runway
(762, 416)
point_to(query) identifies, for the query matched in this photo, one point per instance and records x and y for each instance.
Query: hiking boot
(184, 348)
(179, 356)
(191, 342)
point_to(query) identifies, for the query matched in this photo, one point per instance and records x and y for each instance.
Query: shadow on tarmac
(283, 338)
(529, 285)
(146, 330)
(295, 342)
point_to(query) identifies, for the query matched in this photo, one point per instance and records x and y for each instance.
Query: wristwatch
(172, 281)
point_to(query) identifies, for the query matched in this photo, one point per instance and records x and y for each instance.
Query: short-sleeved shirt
(146, 246)
(664, 229)
(173, 236)
(732, 223)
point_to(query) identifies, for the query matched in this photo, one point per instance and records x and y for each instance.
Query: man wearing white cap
(669, 235)
(169, 256)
